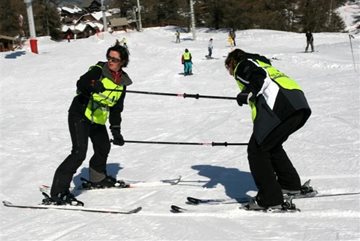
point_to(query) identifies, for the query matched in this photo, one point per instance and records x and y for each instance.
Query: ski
(305, 191)
(163, 182)
(178, 209)
(286, 207)
(121, 184)
(271, 210)
(72, 208)
(216, 201)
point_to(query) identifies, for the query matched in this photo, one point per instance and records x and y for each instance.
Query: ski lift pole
(352, 51)
(184, 95)
(188, 143)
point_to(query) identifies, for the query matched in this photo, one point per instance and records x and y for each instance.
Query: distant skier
(309, 41)
(177, 35)
(186, 60)
(232, 35)
(87, 117)
(123, 43)
(231, 42)
(210, 48)
(279, 108)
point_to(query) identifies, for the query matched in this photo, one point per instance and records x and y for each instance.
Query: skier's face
(114, 61)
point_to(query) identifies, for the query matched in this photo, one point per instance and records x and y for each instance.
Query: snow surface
(36, 91)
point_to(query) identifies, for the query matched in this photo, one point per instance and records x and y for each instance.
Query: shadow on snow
(236, 183)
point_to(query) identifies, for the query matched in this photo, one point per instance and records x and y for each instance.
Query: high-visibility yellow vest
(97, 110)
(187, 56)
(275, 75)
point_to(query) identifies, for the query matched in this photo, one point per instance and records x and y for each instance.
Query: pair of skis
(306, 191)
(242, 200)
(174, 208)
(127, 184)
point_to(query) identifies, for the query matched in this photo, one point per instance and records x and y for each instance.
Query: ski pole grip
(219, 143)
(196, 96)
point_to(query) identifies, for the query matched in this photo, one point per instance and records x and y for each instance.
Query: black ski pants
(80, 130)
(270, 166)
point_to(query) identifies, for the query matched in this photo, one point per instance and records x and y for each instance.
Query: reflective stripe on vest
(97, 110)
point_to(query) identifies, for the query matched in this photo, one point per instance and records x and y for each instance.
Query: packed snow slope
(37, 89)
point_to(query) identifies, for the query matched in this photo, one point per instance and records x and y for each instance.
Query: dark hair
(124, 55)
(235, 56)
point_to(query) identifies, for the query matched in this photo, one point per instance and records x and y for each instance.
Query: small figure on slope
(186, 60)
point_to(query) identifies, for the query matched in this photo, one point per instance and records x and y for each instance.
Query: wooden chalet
(7, 43)
(119, 24)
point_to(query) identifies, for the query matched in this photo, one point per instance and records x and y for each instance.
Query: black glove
(118, 138)
(97, 86)
(243, 98)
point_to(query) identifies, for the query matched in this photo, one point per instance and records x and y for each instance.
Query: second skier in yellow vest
(279, 108)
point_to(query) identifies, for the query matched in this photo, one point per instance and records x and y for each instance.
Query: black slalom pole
(184, 95)
(188, 143)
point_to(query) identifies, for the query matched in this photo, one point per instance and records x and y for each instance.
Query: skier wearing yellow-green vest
(88, 113)
(186, 60)
(279, 108)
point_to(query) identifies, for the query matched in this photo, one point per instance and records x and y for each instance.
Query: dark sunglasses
(112, 59)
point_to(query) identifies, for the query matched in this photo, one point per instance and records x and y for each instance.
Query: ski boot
(65, 198)
(107, 182)
(305, 191)
(286, 206)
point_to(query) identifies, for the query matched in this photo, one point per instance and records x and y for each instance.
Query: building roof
(98, 15)
(7, 37)
(118, 22)
(73, 10)
(80, 27)
(87, 3)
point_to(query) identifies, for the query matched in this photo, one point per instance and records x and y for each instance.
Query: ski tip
(44, 188)
(191, 200)
(174, 181)
(176, 209)
(177, 180)
(136, 210)
(6, 203)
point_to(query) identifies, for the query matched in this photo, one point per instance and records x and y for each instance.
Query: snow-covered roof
(114, 10)
(99, 15)
(80, 27)
(76, 9)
